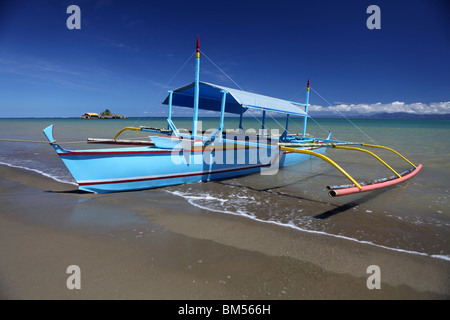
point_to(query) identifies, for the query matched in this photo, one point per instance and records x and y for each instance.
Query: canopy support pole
(222, 113)
(263, 126)
(169, 118)
(287, 123)
(285, 133)
(240, 119)
(305, 120)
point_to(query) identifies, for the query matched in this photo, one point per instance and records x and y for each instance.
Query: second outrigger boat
(173, 156)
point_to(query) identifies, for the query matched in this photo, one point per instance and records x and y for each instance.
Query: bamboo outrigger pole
(386, 148)
(371, 153)
(321, 156)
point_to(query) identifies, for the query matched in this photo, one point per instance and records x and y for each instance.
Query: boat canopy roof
(237, 101)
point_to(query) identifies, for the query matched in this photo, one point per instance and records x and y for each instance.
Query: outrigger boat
(173, 156)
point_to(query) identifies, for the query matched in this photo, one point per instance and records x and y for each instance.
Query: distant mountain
(392, 116)
(407, 116)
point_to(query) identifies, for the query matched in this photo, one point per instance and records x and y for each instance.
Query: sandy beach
(154, 245)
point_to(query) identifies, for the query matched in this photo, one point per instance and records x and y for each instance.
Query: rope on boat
(34, 141)
(237, 85)
(329, 104)
(204, 54)
(164, 89)
(318, 144)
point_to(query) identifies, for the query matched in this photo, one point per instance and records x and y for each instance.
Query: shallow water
(412, 216)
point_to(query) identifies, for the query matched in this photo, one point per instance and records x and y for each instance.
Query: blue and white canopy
(237, 101)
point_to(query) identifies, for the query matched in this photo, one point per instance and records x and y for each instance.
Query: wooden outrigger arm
(130, 142)
(386, 148)
(363, 186)
(124, 129)
(371, 153)
(143, 128)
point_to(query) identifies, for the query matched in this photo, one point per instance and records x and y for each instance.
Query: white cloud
(396, 106)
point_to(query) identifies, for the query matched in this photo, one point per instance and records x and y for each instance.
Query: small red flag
(198, 47)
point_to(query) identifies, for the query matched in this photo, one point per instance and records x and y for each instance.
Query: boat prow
(48, 132)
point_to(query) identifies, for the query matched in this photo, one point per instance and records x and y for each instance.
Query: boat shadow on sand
(337, 209)
(350, 205)
(71, 191)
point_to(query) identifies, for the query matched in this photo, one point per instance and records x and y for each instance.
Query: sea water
(410, 217)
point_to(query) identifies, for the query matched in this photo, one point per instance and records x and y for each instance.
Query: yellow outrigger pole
(321, 156)
(130, 142)
(358, 187)
(143, 128)
(392, 150)
(126, 128)
(371, 153)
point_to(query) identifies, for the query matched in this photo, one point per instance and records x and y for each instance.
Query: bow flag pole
(196, 92)
(305, 119)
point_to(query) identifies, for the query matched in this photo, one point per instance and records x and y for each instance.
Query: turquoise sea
(413, 217)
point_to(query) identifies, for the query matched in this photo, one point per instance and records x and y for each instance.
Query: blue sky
(127, 54)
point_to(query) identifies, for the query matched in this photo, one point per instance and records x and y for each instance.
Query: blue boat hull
(125, 169)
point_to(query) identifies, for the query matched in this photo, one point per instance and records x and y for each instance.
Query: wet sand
(154, 245)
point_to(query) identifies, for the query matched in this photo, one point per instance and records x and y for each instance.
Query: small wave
(39, 172)
(191, 199)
